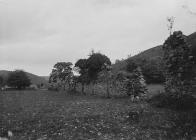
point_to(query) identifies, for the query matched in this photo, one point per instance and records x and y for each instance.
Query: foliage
(178, 65)
(170, 24)
(74, 80)
(152, 70)
(132, 81)
(82, 68)
(1, 81)
(61, 73)
(18, 79)
(163, 100)
(131, 65)
(106, 76)
(95, 63)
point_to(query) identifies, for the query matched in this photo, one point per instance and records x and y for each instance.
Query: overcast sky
(35, 34)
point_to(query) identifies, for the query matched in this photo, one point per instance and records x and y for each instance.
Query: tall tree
(178, 64)
(106, 76)
(95, 63)
(18, 79)
(62, 71)
(1, 82)
(82, 68)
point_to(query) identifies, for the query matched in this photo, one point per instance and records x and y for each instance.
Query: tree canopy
(1, 81)
(18, 79)
(178, 64)
(62, 72)
(95, 63)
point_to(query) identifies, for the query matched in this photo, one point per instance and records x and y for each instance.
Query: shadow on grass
(183, 120)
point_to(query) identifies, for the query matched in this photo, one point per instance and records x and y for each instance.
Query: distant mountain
(34, 78)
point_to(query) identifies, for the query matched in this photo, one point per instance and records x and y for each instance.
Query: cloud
(40, 33)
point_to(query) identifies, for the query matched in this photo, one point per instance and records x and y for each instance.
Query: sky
(35, 34)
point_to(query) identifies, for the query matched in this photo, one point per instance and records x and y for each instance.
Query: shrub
(18, 79)
(165, 100)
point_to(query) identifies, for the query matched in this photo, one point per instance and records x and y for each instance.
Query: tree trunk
(64, 87)
(108, 89)
(83, 88)
(93, 88)
(69, 86)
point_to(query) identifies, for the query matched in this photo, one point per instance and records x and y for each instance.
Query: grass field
(45, 115)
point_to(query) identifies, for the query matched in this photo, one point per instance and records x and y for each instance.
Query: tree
(178, 65)
(106, 76)
(131, 65)
(153, 70)
(82, 68)
(62, 72)
(131, 81)
(1, 81)
(170, 24)
(94, 64)
(18, 79)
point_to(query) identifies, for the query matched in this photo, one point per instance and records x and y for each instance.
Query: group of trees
(88, 69)
(131, 81)
(16, 79)
(179, 64)
(153, 70)
(95, 69)
(175, 69)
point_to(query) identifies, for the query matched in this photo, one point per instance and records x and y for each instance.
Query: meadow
(49, 115)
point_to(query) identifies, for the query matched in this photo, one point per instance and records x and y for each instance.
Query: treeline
(175, 68)
(96, 69)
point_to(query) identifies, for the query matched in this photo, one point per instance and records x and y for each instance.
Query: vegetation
(18, 79)
(106, 76)
(178, 65)
(132, 81)
(52, 115)
(1, 81)
(35, 80)
(81, 67)
(61, 73)
(151, 62)
(95, 64)
(163, 100)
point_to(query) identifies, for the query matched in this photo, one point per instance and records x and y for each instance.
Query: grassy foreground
(45, 115)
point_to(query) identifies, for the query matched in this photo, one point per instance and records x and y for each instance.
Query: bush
(18, 79)
(164, 100)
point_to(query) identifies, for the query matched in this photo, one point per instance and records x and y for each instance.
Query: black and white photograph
(97, 69)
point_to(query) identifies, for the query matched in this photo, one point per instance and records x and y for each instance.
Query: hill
(151, 61)
(34, 78)
(157, 52)
(45, 77)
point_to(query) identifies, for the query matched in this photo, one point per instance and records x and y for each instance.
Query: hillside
(152, 53)
(157, 52)
(34, 78)
(45, 77)
(151, 58)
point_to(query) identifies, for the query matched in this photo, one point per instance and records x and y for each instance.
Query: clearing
(47, 115)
